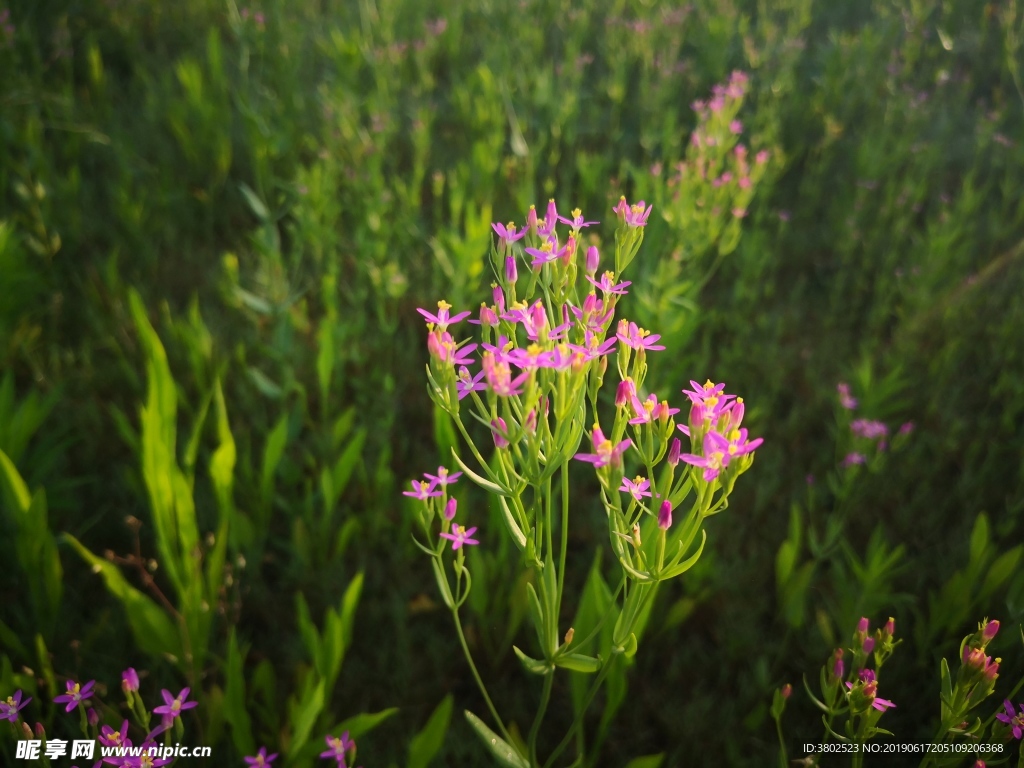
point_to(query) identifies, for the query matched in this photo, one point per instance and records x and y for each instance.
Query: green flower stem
(545, 697)
(479, 681)
(578, 720)
(783, 757)
(565, 534)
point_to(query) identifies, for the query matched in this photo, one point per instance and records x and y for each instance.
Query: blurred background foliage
(217, 220)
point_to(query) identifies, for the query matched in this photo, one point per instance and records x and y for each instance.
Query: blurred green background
(217, 220)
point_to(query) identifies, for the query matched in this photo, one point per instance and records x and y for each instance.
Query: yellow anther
(443, 305)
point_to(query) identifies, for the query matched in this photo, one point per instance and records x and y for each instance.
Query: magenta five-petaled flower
(1013, 719)
(869, 690)
(111, 738)
(714, 459)
(635, 215)
(608, 284)
(338, 747)
(633, 336)
(443, 319)
(9, 709)
(173, 706)
(261, 759)
(709, 396)
(460, 536)
(605, 452)
(650, 410)
(443, 477)
(75, 695)
(577, 222)
(421, 490)
(508, 233)
(467, 382)
(637, 487)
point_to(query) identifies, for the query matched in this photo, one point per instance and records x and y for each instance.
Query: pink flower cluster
(716, 418)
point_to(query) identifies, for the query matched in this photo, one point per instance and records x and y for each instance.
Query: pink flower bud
(665, 515)
(890, 627)
(674, 451)
(787, 691)
(530, 424)
(990, 631)
(869, 644)
(40, 731)
(511, 273)
(500, 429)
(531, 220)
(862, 625)
(499, 299)
(450, 508)
(593, 260)
(552, 215)
(625, 393)
(130, 680)
(92, 717)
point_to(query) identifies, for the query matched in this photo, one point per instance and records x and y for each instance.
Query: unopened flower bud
(500, 429)
(862, 625)
(92, 717)
(838, 669)
(869, 644)
(531, 220)
(890, 628)
(130, 680)
(499, 299)
(593, 260)
(530, 423)
(636, 535)
(624, 394)
(674, 451)
(40, 731)
(990, 630)
(665, 515)
(450, 507)
(992, 670)
(511, 272)
(569, 635)
(787, 691)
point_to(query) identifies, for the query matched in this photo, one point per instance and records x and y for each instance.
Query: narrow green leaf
(348, 608)
(428, 742)
(484, 483)
(235, 710)
(304, 715)
(272, 453)
(14, 485)
(255, 203)
(510, 523)
(536, 612)
(154, 631)
(578, 662)
(358, 725)
(346, 463)
(534, 666)
(501, 749)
